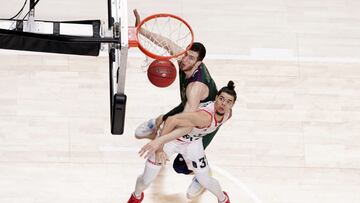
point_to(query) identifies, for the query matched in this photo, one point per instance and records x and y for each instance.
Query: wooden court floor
(294, 136)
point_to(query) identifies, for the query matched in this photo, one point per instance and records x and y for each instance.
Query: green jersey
(201, 74)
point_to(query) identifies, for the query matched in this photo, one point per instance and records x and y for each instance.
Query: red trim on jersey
(216, 121)
(178, 139)
(152, 162)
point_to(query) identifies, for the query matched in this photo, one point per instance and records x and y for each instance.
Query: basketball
(161, 73)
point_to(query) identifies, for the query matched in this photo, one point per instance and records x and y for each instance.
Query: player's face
(189, 60)
(224, 102)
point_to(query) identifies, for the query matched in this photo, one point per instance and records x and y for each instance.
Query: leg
(149, 128)
(210, 183)
(180, 166)
(195, 188)
(196, 155)
(150, 173)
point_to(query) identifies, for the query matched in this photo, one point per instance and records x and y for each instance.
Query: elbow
(173, 122)
(170, 120)
(188, 130)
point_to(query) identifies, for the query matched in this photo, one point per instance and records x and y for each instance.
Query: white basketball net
(169, 28)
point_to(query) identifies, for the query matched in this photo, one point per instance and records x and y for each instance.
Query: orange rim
(134, 32)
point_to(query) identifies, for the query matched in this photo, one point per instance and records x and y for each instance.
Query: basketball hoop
(168, 32)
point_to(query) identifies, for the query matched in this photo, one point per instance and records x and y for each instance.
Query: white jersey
(197, 133)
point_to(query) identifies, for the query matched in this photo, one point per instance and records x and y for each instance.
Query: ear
(198, 63)
(216, 99)
(232, 105)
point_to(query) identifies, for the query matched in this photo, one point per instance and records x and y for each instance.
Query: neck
(219, 116)
(190, 72)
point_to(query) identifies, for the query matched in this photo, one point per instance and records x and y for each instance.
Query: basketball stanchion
(87, 37)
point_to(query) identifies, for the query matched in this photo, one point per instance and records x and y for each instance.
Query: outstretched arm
(200, 119)
(171, 132)
(195, 92)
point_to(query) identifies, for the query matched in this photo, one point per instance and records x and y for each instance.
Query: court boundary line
(237, 182)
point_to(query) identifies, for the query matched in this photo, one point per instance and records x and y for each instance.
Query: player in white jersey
(185, 120)
(206, 119)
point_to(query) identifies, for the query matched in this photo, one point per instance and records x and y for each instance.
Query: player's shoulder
(200, 70)
(196, 74)
(202, 65)
(196, 84)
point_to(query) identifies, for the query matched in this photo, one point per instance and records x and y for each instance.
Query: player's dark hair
(200, 49)
(230, 89)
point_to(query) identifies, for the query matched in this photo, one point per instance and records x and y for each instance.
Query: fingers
(136, 13)
(161, 158)
(158, 159)
(146, 151)
(137, 17)
(149, 149)
(142, 151)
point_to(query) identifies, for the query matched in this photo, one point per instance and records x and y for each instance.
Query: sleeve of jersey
(197, 76)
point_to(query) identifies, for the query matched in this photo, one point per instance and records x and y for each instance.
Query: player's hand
(137, 17)
(161, 157)
(150, 148)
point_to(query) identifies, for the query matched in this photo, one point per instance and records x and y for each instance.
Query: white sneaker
(195, 189)
(145, 129)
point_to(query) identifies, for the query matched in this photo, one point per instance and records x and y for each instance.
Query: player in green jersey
(196, 86)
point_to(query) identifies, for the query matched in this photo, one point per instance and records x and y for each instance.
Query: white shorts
(193, 153)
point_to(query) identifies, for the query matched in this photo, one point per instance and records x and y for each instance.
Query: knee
(203, 178)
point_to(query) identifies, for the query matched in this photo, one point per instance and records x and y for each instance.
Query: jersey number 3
(202, 162)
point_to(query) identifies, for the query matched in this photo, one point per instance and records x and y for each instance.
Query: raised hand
(137, 17)
(150, 148)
